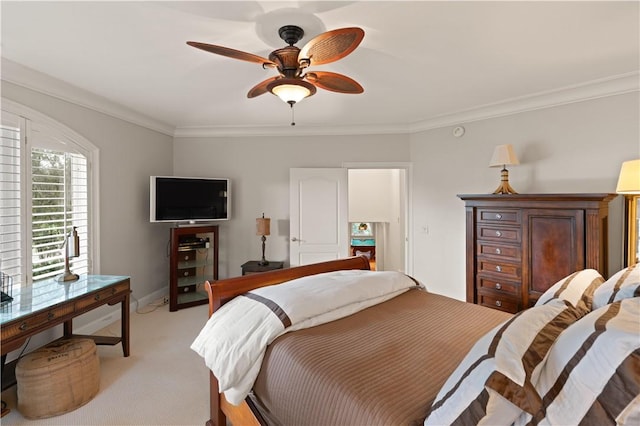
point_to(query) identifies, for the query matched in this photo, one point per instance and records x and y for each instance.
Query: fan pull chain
(293, 121)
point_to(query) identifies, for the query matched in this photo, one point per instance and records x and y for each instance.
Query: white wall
(259, 169)
(371, 195)
(129, 154)
(566, 149)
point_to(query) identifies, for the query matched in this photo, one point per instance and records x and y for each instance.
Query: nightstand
(254, 267)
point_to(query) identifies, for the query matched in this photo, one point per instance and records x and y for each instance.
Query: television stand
(193, 260)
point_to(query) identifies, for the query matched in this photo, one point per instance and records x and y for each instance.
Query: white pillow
(591, 375)
(494, 383)
(623, 284)
(576, 288)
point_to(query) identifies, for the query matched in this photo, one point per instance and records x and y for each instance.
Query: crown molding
(610, 86)
(29, 78)
(219, 131)
(35, 80)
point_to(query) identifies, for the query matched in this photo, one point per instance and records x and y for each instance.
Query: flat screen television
(189, 199)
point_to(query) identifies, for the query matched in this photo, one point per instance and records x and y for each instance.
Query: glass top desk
(48, 303)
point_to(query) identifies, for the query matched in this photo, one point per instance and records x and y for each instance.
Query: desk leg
(67, 328)
(125, 325)
(5, 409)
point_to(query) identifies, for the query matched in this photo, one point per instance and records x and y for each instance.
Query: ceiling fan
(293, 82)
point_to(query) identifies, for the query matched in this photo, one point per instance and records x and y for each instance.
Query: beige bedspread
(381, 366)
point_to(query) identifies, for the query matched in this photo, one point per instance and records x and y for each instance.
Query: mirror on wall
(632, 227)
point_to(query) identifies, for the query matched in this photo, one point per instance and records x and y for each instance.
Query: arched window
(47, 188)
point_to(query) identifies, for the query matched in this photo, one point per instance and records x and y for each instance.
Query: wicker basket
(58, 378)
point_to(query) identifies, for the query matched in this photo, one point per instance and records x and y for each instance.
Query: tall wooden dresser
(519, 245)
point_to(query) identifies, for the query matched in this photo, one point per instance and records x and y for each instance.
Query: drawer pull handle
(186, 257)
(23, 326)
(50, 316)
(498, 303)
(97, 297)
(498, 251)
(498, 286)
(498, 268)
(498, 233)
(186, 289)
(498, 216)
(186, 274)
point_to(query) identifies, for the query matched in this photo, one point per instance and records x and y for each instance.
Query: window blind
(10, 224)
(59, 202)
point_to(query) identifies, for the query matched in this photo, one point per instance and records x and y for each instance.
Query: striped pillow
(577, 289)
(623, 284)
(494, 383)
(591, 373)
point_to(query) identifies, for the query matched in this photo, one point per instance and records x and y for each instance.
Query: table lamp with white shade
(503, 156)
(629, 186)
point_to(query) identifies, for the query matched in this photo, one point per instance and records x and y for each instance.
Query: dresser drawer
(499, 233)
(35, 321)
(506, 216)
(502, 251)
(497, 286)
(503, 303)
(505, 270)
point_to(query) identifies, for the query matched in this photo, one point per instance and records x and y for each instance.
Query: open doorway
(319, 226)
(379, 215)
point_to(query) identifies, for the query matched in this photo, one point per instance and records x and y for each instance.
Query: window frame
(32, 120)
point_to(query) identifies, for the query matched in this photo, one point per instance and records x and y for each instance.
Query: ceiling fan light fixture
(291, 89)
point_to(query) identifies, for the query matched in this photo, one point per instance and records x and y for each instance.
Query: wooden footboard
(222, 291)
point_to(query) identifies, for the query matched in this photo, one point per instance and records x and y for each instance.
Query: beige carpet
(163, 382)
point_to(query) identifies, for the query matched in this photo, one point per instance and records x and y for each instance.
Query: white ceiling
(421, 63)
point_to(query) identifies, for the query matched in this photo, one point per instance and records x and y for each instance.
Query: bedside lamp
(629, 179)
(629, 186)
(503, 156)
(263, 225)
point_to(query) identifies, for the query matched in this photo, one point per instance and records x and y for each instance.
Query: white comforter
(235, 338)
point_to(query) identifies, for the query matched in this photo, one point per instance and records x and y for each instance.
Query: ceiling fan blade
(332, 45)
(231, 53)
(334, 82)
(260, 88)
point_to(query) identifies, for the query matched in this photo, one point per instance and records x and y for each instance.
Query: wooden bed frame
(222, 291)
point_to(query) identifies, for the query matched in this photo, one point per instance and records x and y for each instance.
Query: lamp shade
(291, 90)
(629, 179)
(503, 155)
(263, 226)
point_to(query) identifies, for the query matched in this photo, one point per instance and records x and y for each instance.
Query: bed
(413, 357)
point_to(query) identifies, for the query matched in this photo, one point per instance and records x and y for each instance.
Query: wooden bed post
(222, 291)
(216, 416)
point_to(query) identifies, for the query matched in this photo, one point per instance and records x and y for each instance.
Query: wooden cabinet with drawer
(519, 245)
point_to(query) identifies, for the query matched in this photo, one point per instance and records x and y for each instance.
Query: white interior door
(318, 203)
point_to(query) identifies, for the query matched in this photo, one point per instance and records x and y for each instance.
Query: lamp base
(67, 276)
(264, 261)
(504, 187)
